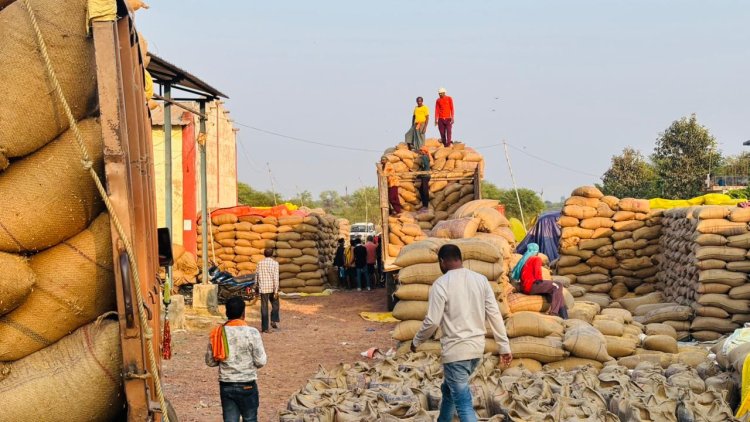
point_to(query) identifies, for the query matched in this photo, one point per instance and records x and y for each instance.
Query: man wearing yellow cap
(419, 119)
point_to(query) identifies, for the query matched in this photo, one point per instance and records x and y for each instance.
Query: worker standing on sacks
(459, 303)
(444, 116)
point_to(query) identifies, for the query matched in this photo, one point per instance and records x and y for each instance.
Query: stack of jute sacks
(609, 246)
(345, 229)
(303, 244)
(420, 268)
(705, 267)
(407, 388)
(57, 273)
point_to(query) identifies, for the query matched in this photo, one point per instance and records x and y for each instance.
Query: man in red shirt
(371, 261)
(444, 116)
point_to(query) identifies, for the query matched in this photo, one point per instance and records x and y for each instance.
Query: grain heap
(408, 388)
(609, 246)
(705, 267)
(303, 244)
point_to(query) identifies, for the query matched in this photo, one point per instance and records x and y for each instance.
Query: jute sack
(587, 192)
(724, 253)
(619, 347)
(635, 205)
(720, 325)
(490, 219)
(493, 271)
(478, 249)
(467, 210)
(722, 227)
(16, 281)
(519, 302)
(422, 252)
(75, 284)
(609, 328)
(78, 377)
(410, 310)
(533, 324)
(32, 114)
(735, 306)
(584, 341)
(626, 316)
(730, 278)
(578, 211)
(413, 292)
(49, 196)
(632, 303)
(420, 273)
(572, 362)
(545, 350)
(740, 292)
(740, 215)
(660, 343)
(667, 313)
(659, 328)
(711, 240)
(406, 330)
(582, 201)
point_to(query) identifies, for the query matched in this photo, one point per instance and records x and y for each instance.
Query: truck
(361, 231)
(390, 270)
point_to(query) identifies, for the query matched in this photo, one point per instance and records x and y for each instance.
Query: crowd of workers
(359, 261)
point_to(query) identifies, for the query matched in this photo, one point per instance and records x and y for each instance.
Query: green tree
(331, 201)
(246, 195)
(304, 198)
(735, 165)
(490, 190)
(630, 176)
(531, 202)
(362, 205)
(684, 154)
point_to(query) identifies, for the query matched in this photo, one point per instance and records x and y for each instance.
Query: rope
(87, 164)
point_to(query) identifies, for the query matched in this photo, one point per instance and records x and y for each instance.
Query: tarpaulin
(516, 226)
(545, 233)
(707, 199)
(378, 316)
(282, 210)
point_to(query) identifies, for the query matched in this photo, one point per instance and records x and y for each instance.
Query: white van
(361, 231)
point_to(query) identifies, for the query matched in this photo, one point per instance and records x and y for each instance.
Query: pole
(513, 179)
(367, 202)
(273, 187)
(204, 190)
(168, 168)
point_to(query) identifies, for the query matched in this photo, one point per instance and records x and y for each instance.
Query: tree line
(684, 156)
(364, 205)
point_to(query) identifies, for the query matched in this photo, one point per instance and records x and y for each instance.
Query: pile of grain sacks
(408, 388)
(345, 229)
(303, 244)
(705, 267)
(57, 273)
(609, 246)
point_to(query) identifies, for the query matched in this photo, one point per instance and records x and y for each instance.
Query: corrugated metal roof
(164, 72)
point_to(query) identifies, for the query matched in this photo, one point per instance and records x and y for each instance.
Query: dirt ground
(314, 331)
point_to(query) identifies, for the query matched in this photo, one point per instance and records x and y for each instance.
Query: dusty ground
(314, 331)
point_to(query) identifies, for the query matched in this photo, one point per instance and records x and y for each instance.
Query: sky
(567, 84)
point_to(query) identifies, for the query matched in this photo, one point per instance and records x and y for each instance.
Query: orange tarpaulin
(277, 211)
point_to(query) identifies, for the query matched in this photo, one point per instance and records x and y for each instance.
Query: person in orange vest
(444, 116)
(390, 174)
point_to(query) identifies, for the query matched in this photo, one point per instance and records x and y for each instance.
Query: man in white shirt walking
(267, 275)
(459, 303)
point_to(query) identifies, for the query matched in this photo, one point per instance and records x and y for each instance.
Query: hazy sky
(572, 82)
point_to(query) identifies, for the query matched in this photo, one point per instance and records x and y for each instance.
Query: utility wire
(522, 151)
(306, 141)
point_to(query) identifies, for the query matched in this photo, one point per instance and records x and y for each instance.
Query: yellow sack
(745, 406)
(519, 231)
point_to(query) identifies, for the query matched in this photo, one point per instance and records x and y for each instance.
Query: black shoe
(274, 325)
(267, 331)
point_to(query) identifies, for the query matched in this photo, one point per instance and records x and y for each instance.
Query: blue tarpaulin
(545, 233)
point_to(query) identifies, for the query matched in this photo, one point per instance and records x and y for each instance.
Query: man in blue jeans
(237, 349)
(459, 303)
(360, 262)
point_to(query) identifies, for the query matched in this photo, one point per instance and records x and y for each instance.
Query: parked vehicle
(361, 231)
(244, 286)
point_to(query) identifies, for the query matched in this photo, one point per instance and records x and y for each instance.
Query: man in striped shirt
(267, 275)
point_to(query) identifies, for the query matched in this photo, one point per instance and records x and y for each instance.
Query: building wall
(221, 168)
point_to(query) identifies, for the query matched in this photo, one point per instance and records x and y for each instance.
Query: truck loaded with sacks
(455, 210)
(80, 312)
